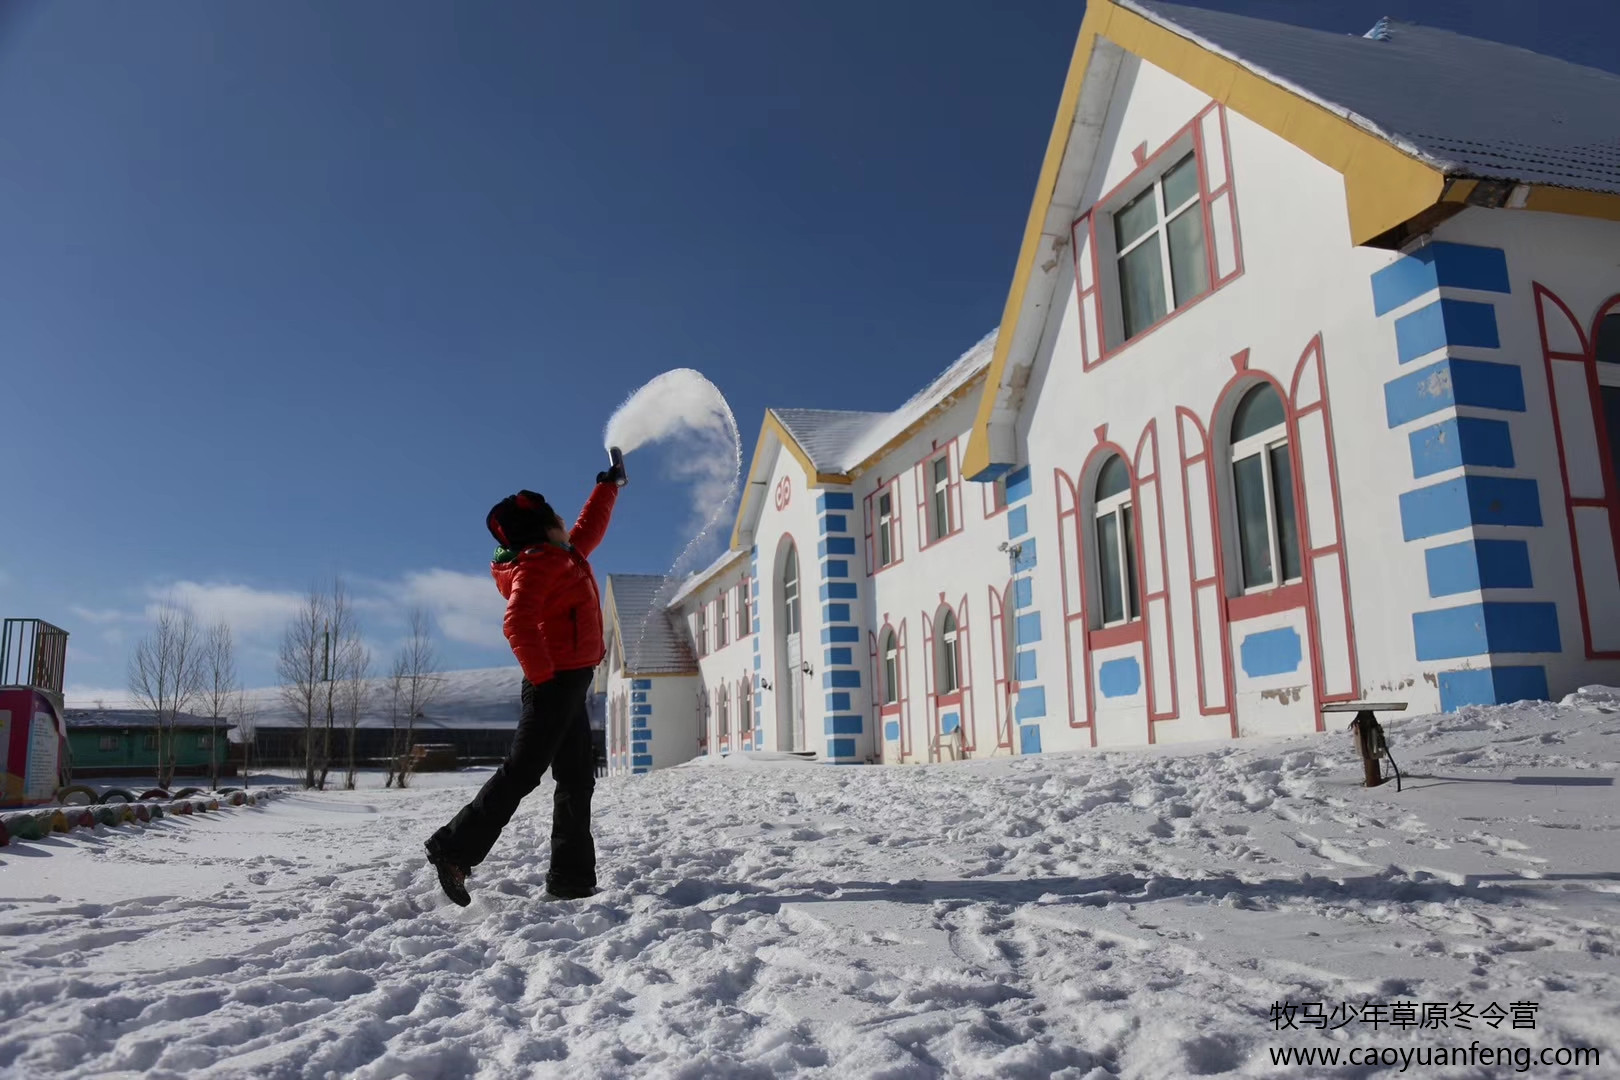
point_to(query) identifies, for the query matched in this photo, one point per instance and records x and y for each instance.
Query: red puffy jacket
(553, 610)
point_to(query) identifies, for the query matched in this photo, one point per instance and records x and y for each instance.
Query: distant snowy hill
(482, 698)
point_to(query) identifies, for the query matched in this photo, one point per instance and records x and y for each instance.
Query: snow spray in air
(684, 407)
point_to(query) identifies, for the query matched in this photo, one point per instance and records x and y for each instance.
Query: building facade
(1307, 391)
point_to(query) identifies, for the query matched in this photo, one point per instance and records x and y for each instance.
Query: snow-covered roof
(1468, 106)
(697, 580)
(653, 644)
(841, 442)
(78, 719)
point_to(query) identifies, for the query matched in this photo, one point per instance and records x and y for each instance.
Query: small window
(205, 741)
(1263, 491)
(998, 495)
(703, 630)
(885, 528)
(939, 503)
(950, 656)
(723, 713)
(745, 707)
(149, 742)
(107, 742)
(1116, 544)
(744, 624)
(1607, 348)
(790, 591)
(891, 669)
(722, 626)
(1159, 240)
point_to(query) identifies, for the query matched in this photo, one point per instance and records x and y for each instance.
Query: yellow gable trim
(773, 426)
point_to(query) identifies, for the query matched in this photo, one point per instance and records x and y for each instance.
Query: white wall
(729, 665)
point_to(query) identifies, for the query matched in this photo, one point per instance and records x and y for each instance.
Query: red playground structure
(34, 760)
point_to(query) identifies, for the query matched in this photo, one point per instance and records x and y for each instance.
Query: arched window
(745, 707)
(790, 590)
(1606, 346)
(1263, 489)
(1116, 543)
(890, 651)
(703, 719)
(722, 712)
(949, 665)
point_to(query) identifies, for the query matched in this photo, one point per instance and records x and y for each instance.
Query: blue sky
(298, 288)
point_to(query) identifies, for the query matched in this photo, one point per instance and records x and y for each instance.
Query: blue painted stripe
(1025, 666)
(1445, 322)
(1017, 522)
(1452, 381)
(641, 710)
(834, 523)
(840, 748)
(838, 701)
(840, 654)
(1457, 266)
(844, 725)
(641, 761)
(891, 731)
(756, 661)
(1031, 702)
(836, 545)
(1027, 628)
(1018, 485)
(835, 500)
(756, 626)
(1469, 500)
(1029, 738)
(839, 590)
(640, 770)
(1271, 652)
(835, 568)
(638, 696)
(1461, 440)
(846, 634)
(640, 746)
(638, 722)
(849, 679)
(1119, 678)
(1025, 560)
(641, 684)
(1023, 593)
(1478, 564)
(1491, 627)
(1492, 686)
(950, 722)
(835, 613)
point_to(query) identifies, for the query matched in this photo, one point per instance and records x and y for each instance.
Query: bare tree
(413, 685)
(341, 628)
(245, 710)
(300, 666)
(353, 694)
(221, 689)
(165, 676)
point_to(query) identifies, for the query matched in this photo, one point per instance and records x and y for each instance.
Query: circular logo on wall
(784, 493)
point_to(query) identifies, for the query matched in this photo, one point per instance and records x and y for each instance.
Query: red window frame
(922, 477)
(1152, 166)
(896, 541)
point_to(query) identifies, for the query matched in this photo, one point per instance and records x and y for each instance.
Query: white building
(1302, 394)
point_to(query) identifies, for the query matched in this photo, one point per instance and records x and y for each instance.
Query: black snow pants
(554, 732)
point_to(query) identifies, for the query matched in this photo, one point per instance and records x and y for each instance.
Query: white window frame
(949, 648)
(939, 497)
(703, 629)
(107, 742)
(1118, 504)
(1160, 229)
(790, 598)
(1262, 444)
(885, 527)
(890, 649)
(723, 713)
(744, 623)
(722, 628)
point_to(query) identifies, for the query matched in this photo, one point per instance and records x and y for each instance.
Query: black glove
(614, 476)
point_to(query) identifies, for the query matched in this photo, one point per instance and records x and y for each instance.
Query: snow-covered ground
(1087, 915)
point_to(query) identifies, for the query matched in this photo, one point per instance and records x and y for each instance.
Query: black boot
(452, 878)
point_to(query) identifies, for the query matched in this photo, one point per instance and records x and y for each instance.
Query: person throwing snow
(554, 625)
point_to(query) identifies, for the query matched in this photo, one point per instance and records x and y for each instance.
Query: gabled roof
(82, 719)
(698, 579)
(1420, 123)
(1468, 106)
(652, 643)
(833, 445)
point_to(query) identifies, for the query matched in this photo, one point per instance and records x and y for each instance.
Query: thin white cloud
(90, 697)
(250, 611)
(105, 616)
(466, 607)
